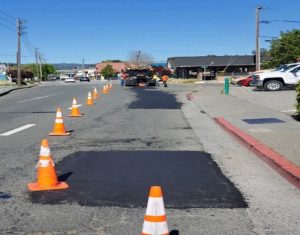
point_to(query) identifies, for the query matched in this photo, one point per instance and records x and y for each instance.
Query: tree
(139, 58)
(107, 71)
(284, 50)
(46, 69)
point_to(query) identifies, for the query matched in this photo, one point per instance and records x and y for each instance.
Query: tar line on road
(190, 179)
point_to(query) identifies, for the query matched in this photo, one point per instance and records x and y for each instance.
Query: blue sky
(69, 30)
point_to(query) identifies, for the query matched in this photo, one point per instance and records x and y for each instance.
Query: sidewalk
(282, 136)
(7, 89)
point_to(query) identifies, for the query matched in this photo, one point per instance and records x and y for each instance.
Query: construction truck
(139, 77)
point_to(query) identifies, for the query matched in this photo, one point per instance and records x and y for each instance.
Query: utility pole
(36, 63)
(82, 65)
(257, 49)
(19, 34)
(137, 58)
(41, 71)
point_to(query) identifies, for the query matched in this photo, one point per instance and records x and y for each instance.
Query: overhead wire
(8, 15)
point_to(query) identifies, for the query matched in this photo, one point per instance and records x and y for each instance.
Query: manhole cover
(123, 178)
(262, 121)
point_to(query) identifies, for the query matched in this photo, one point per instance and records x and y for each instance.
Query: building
(208, 67)
(117, 66)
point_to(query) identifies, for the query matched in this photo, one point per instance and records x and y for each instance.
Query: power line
(8, 15)
(11, 55)
(276, 20)
(7, 21)
(7, 26)
(27, 47)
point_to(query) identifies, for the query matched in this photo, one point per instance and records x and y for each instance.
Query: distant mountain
(69, 66)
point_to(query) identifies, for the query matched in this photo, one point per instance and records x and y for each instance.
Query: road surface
(131, 139)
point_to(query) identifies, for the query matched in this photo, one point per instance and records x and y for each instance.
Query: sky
(95, 30)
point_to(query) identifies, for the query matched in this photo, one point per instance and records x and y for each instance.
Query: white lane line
(17, 130)
(289, 111)
(34, 98)
(78, 105)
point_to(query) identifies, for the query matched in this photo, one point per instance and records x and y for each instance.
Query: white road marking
(78, 105)
(34, 98)
(289, 111)
(17, 130)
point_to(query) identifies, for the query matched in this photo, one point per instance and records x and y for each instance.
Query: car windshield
(285, 67)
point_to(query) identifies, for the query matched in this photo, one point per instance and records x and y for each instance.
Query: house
(207, 67)
(117, 66)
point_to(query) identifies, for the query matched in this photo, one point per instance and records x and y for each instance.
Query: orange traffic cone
(59, 127)
(90, 100)
(155, 220)
(104, 90)
(75, 110)
(95, 94)
(46, 175)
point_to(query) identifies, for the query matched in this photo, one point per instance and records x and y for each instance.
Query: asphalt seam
(282, 165)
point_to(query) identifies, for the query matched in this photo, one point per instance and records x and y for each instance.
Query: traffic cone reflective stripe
(45, 151)
(75, 110)
(155, 220)
(59, 127)
(90, 100)
(46, 175)
(96, 94)
(104, 90)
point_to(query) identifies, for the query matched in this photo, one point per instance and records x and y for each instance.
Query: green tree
(107, 71)
(46, 70)
(284, 50)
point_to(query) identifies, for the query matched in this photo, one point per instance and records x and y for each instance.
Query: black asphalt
(189, 179)
(151, 98)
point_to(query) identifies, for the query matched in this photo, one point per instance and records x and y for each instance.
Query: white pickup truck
(287, 75)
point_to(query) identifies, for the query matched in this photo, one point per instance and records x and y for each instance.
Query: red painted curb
(287, 169)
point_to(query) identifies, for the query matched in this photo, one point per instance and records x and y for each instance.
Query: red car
(247, 81)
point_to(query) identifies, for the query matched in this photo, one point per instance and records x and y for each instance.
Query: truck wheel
(273, 85)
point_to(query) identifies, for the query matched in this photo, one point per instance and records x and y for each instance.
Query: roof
(117, 66)
(205, 61)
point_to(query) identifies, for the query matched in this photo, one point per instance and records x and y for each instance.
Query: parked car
(275, 80)
(244, 81)
(70, 79)
(22, 81)
(63, 76)
(84, 79)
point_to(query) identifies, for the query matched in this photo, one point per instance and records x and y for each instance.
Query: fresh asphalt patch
(154, 99)
(190, 179)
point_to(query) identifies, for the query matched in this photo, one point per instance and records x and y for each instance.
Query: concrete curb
(287, 169)
(17, 88)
